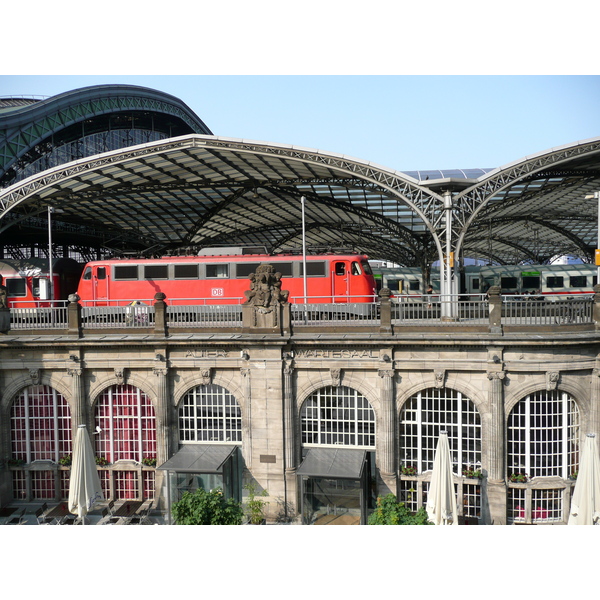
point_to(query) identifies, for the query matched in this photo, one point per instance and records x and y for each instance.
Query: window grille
(546, 506)
(434, 410)
(127, 421)
(148, 479)
(338, 416)
(543, 435)
(40, 425)
(516, 505)
(126, 485)
(19, 480)
(42, 485)
(209, 413)
(471, 500)
(65, 478)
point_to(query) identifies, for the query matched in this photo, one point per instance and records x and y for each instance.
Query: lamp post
(51, 283)
(302, 201)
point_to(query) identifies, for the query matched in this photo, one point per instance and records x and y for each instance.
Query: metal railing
(204, 314)
(547, 310)
(46, 314)
(130, 314)
(440, 310)
(361, 310)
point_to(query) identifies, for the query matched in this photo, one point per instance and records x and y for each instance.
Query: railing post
(495, 302)
(596, 310)
(160, 314)
(385, 310)
(74, 315)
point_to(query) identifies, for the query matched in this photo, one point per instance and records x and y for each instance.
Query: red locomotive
(222, 279)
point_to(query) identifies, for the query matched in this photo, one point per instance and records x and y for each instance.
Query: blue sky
(402, 122)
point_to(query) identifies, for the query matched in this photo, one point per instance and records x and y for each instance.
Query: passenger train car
(549, 280)
(27, 281)
(223, 279)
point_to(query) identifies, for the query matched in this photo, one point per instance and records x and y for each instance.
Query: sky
(402, 122)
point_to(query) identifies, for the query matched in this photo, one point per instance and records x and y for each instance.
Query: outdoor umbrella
(84, 487)
(585, 504)
(441, 500)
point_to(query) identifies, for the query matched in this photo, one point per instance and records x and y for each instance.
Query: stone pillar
(74, 315)
(386, 458)
(494, 498)
(596, 310)
(162, 408)
(593, 425)
(495, 303)
(247, 422)
(385, 306)
(79, 409)
(289, 433)
(160, 314)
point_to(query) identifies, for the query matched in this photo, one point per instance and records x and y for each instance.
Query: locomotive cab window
(16, 287)
(220, 271)
(340, 268)
(356, 268)
(125, 272)
(87, 274)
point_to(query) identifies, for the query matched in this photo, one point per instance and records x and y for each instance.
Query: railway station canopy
(180, 189)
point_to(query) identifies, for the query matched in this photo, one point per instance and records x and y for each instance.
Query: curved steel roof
(196, 191)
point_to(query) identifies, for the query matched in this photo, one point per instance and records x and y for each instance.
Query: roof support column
(447, 283)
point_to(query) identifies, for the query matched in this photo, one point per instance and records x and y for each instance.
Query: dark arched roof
(38, 134)
(196, 191)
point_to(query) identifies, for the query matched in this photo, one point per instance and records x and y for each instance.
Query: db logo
(217, 291)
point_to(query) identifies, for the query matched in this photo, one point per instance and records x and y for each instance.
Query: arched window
(338, 416)
(40, 425)
(543, 435)
(126, 418)
(209, 413)
(434, 410)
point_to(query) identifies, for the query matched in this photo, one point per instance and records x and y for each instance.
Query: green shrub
(207, 508)
(391, 512)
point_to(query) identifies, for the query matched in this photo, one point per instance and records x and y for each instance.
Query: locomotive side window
(220, 271)
(16, 287)
(340, 268)
(314, 268)
(554, 282)
(101, 273)
(285, 268)
(414, 286)
(125, 272)
(531, 282)
(578, 281)
(356, 268)
(244, 269)
(87, 273)
(156, 272)
(186, 271)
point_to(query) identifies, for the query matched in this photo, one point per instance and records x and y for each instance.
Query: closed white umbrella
(84, 487)
(585, 504)
(441, 500)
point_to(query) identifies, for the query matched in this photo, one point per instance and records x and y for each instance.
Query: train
(27, 281)
(545, 280)
(223, 278)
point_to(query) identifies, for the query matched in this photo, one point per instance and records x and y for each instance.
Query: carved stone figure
(265, 288)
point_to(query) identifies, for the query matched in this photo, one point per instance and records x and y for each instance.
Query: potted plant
(15, 462)
(573, 475)
(207, 508)
(149, 462)
(391, 512)
(472, 473)
(65, 461)
(101, 461)
(518, 477)
(409, 470)
(255, 505)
